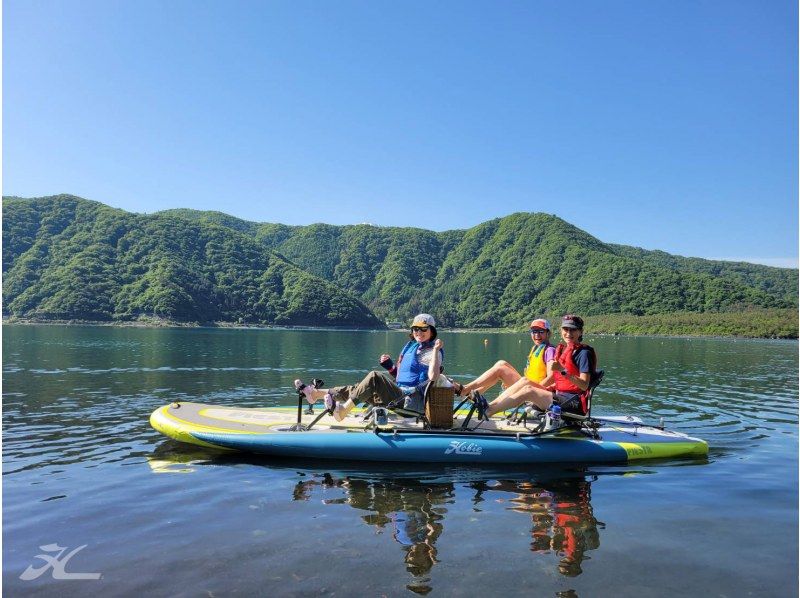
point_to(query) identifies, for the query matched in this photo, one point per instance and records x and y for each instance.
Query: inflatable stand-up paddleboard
(359, 436)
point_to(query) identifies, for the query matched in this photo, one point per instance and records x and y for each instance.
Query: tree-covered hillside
(64, 256)
(505, 266)
(68, 258)
(502, 271)
(781, 282)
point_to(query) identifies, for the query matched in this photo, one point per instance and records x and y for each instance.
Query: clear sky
(662, 124)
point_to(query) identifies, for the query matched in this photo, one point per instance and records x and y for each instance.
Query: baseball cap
(541, 323)
(571, 321)
(424, 320)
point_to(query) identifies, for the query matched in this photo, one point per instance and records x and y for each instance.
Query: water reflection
(412, 504)
(412, 510)
(562, 520)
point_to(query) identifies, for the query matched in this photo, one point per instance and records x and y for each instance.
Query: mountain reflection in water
(560, 511)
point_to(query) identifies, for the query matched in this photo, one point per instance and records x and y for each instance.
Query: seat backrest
(596, 380)
(439, 405)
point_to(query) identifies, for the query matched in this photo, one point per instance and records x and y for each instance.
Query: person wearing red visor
(538, 366)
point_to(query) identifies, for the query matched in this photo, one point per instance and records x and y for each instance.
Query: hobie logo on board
(463, 448)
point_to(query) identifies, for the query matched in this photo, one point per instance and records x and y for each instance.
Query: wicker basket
(439, 407)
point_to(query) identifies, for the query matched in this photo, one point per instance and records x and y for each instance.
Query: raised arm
(387, 364)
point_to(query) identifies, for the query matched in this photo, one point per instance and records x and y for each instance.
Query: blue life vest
(410, 371)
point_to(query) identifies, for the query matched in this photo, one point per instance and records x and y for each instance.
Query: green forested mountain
(501, 271)
(781, 282)
(68, 257)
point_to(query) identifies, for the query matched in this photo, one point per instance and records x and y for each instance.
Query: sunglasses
(538, 331)
(420, 328)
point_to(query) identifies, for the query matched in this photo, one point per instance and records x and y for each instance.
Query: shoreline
(158, 323)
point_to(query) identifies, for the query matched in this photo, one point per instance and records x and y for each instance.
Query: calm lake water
(82, 467)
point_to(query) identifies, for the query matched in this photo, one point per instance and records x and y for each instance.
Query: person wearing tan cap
(537, 367)
(420, 360)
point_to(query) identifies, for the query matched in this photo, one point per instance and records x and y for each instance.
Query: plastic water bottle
(381, 416)
(555, 416)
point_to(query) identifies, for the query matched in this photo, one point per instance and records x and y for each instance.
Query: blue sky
(667, 125)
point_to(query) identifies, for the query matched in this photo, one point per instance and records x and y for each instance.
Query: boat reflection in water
(414, 504)
(411, 509)
(562, 521)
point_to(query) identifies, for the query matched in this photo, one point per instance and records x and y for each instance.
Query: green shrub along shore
(760, 323)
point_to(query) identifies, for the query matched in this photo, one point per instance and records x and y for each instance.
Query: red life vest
(566, 356)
